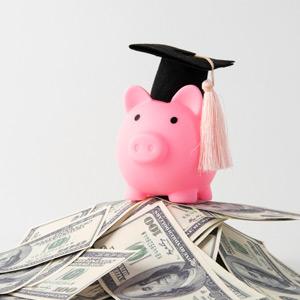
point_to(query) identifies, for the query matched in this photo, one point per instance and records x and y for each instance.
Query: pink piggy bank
(158, 147)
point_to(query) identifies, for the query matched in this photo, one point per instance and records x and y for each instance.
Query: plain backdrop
(64, 67)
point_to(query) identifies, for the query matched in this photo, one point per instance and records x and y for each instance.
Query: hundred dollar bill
(85, 270)
(206, 233)
(237, 287)
(210, 245)
(164, 266)
(9, 297)
(54, 266)
(46, 228)
(99, 206)
(196, 224)
(119, 210)
(246, 212)
(92, 292)
(192, 221)
(72, 238)
(250, 262)
(288, 272)
(15, 280)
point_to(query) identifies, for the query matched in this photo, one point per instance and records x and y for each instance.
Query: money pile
(153, 249)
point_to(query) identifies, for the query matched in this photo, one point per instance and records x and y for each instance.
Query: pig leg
(134, 195)
(205, 194)
(185, 196)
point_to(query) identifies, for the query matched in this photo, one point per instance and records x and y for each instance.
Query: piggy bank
(158, 147)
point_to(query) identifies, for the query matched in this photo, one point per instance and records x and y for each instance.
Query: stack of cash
(152, 249)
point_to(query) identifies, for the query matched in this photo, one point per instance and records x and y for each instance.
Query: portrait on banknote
(261, 277)
(165, 281)
(14, 256)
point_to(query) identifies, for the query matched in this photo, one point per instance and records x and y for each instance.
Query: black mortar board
(177, 68)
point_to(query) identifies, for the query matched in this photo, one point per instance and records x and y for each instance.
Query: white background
(64, 66)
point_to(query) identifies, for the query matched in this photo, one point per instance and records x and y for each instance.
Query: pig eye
(136, 117)
(173, 120)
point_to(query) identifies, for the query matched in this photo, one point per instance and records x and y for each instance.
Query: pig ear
(134, 96)
(191, 97)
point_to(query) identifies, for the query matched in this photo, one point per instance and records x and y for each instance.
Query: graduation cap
(178, 68)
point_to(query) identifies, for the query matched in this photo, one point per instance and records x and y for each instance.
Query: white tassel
(214, 150)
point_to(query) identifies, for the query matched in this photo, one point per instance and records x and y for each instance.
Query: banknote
(287, 271)
(192, 221)
(48, 227)
(250, 262)
(72, 238)
(174, 251)
(164, 266)
(81, 273)
(246, 212)
(9, 297)
(10, 282)
(206, 233)
(118, 211)
(210, 245)
(99, 206)
(92, 292)
(237, 287)
(54, 266)
(196, 224)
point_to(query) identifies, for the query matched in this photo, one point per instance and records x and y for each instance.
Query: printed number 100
(152, 227)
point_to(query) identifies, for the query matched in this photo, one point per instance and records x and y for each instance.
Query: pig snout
(147, 147)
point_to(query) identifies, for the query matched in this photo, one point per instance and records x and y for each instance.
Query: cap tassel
(214, 150)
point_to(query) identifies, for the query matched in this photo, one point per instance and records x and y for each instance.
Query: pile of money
(152, 249)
